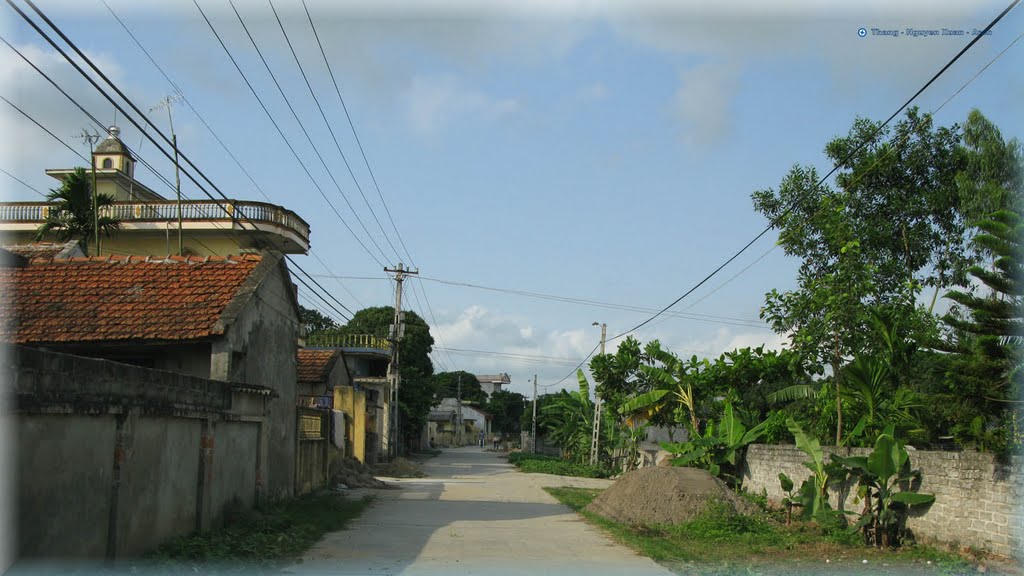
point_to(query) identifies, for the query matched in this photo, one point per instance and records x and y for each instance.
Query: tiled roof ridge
(138, 259)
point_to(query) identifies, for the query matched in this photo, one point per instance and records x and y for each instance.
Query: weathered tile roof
(313, 366)
(119, 298)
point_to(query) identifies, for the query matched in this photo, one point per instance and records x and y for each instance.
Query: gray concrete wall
(977, 499)
(110, 456)
(259, 347)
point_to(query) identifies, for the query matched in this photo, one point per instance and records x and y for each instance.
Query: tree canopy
(447, 385)
(71, 215)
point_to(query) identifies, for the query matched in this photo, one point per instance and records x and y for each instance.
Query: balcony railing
(191, 211)
(350, 341)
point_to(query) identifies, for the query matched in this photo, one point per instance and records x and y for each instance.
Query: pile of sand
(354, 474)
(664, 496)
(399, 468)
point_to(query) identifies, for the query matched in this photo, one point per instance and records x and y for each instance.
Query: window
(108, 163)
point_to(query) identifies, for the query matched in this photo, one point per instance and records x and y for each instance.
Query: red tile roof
(313, 366)
(119, 298)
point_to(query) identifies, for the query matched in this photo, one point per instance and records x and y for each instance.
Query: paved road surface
(474, 514)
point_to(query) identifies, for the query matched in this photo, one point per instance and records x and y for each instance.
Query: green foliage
(447, 385)
(71, 214)
(569, 419)
(813, 494)
(278, 531)
(541, 464)
(879, 476)
(316, 323)
(507, 408)
(720, 449)
(986, 375)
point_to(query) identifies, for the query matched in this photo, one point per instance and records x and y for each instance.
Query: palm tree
(71, 212)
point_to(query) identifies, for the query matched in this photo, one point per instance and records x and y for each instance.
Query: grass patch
(721, 542)
(542, 464)
(278, 531)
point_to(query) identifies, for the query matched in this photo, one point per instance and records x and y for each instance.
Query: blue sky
(595, 150)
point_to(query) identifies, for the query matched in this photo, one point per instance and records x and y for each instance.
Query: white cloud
(702, 102)
(435, 101)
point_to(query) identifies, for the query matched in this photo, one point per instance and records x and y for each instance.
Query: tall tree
(448, 385)
(317, 323)
(71, 214)
(891, 225)
(507, 408)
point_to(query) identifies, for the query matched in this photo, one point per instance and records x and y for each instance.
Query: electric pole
(534, 440)
(458, 414)
(92, 138)
(596, 440)
(397, 332)
(168, 102)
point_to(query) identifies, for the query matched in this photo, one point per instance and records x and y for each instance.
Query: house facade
(491, 383)
(232, 320)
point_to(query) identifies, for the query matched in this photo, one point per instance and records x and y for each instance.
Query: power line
(210, 129)
(130, 118)
(26, 184)
(355, 134)
(331, 130)
(283, 137)
(835, 167)
(316, 150)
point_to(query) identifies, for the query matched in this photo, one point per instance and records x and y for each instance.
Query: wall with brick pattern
(978, 500)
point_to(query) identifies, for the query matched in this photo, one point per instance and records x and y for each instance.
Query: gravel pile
(399, 468)
(664, 496)
(354, 474)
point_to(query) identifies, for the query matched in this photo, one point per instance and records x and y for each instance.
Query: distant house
(367, 358)
(450, 423)
(320, 374)
(491, 383)
(232, 319)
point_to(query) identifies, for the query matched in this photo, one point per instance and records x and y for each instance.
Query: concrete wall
(259, 347)
(353, 403)
(977, 499)
(113, 459)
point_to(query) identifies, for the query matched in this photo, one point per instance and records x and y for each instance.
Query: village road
(474, 514)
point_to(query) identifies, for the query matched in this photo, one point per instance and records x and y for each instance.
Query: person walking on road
(481, 438)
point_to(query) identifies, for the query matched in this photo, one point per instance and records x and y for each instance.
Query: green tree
(447, 385)
(316, 323)
(71, 215)
(985, 378)
(507, 409)
(891, 225)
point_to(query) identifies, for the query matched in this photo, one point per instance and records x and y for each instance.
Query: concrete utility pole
(92, 138)
(458, 412)
(396, 334)
(168, 102)
(534, 440)
(596, 440)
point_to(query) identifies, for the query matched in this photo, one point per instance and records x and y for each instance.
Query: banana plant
(880, 476)
(813, 494)
(719, 448)
(790, 501)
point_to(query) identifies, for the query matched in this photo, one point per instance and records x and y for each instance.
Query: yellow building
(149, 222)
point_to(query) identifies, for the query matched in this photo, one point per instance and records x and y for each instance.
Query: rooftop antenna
(168, 102)
(92, 138)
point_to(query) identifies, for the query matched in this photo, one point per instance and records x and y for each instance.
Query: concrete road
(474, 514)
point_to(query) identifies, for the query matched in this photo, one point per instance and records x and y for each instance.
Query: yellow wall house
(353, 403)
(149, 221)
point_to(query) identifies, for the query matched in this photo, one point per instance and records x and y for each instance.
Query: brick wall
(978, 500)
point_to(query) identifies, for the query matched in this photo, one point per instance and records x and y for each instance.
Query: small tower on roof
(111, 154)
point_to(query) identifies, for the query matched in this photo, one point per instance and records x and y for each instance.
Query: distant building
(491, 383)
